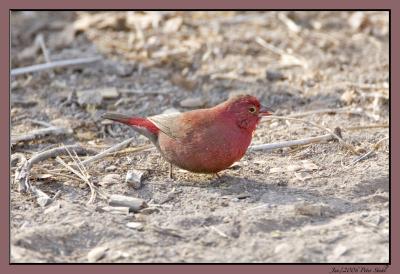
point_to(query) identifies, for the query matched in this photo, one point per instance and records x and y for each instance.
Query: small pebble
(276, 234)
(135, 177)
(108, 93)
(340, 250)
(283, 248)
(224, 203)
(52, 209)
(89, 97)
(357, 19)
(170, 111)
(379, 219)
(134, 204)
(110, 179)
(114, 209)
(44, 201)
(96, 254)
(226, 219)
(135, 225)
(124, 70)
(192, 102)
(348, 97)
(243, 196)
(111, 168)
(273, 75)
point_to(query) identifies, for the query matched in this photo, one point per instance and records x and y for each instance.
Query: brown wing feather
(167, 123)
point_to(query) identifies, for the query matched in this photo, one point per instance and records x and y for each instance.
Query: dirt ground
(314, 203)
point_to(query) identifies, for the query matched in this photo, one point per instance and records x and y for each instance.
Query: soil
(303, 204)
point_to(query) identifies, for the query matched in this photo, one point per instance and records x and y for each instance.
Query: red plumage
(203, 140)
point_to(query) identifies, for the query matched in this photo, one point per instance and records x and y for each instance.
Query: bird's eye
(252, 109)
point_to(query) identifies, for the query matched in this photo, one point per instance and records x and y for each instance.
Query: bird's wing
(167, 123)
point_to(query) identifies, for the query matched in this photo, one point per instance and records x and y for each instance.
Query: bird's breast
(207, 150)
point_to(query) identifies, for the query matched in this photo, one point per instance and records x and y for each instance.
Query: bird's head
(246, 110)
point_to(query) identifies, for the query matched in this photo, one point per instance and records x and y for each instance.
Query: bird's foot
(170, 172)
(218, 179)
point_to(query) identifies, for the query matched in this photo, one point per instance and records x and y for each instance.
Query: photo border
(193, 268)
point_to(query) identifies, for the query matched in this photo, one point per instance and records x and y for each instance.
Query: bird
(205, 140)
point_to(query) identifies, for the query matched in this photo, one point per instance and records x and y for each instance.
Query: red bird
(203, 140)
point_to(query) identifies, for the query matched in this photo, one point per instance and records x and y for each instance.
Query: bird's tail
(139, 124)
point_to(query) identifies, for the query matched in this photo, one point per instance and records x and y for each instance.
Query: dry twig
(366, 155)
(288, 59)
(219, 232)
(17, 157)
(168, 232)
(22, 173)
(56, 174)
(291, 25)
(54, 64)
(367, 127)
(325, 111)
(133, 149)
(44, 48)
(300, 142)
(134, 204)
(335, 135)
(83, 175)
(40, 133)
(40, 123)
(108, 151)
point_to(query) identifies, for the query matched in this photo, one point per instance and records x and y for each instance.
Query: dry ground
(263, 209)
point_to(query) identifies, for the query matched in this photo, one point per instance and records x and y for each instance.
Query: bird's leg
(170, 171)
(216, 174)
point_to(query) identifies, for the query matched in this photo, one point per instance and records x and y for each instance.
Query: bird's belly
(202, 155)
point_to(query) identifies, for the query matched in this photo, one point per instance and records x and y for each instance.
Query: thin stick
(60, 174)
(84, 172)
(291, 25)
(133, 149)
(51, 153)
(362, 157)
(219, 232)
(76, 163)
(348, 146)
(40, 133)
(41, 123)
(281, 53)
(270, 47)
(44, 49)
(322, 111)
(108, 151)
(383, 85)
(366, 155)
(19, 157)
(257, 207)
(54, 64)
(22, 173)
(82, 177)
(367, 127)
(83, 169)
(305, 141)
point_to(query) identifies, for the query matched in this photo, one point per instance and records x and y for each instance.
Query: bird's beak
(264, 111)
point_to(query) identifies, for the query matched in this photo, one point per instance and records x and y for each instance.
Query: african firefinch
(203, 140)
